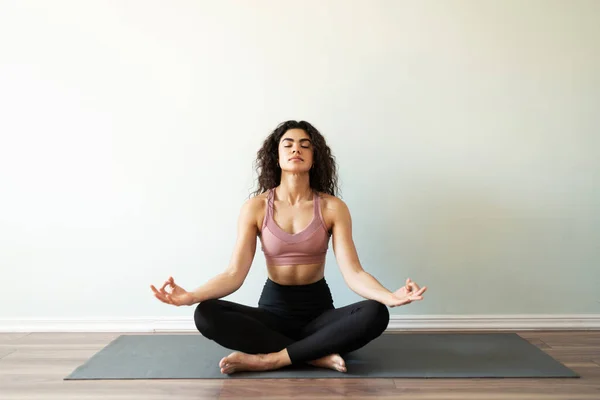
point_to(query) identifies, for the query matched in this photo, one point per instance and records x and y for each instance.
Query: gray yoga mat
(414, 355)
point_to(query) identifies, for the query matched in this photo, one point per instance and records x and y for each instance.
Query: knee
(204, 317)
(378, 317)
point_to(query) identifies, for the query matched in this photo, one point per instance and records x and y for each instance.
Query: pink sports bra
(308, 246)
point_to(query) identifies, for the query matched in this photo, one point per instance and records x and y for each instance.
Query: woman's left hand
(406, 294)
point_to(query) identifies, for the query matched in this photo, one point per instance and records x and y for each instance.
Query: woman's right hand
(177, 297)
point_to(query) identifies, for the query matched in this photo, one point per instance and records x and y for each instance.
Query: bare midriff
(304, 274)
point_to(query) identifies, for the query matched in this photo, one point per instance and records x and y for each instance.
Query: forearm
(220, 286)
(365, 285)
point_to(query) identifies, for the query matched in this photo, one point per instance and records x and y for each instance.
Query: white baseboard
(397, 323)
(515, 322)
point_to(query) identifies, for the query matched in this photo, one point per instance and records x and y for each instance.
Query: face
(295, 151)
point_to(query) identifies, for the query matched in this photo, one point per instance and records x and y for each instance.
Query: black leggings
(301, 319)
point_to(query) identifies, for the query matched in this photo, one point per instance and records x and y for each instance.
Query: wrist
(389, 299)
(196, 298)
(386, 298)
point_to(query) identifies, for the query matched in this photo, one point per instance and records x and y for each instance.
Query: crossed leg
(262, 342)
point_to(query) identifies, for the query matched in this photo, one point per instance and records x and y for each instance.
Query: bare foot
(239, 361)
(332, 361)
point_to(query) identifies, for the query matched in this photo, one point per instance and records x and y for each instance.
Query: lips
(296, 158)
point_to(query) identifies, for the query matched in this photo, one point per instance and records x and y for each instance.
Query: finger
(167, 283)
(157, 292)
(161, 298)
(162, 290)
(173, 301)
(401, 302)
(414, 286)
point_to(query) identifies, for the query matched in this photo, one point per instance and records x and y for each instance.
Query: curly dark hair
(323, 175)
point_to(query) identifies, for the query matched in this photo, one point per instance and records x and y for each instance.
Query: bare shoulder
(333, 209)
(256, 201)
(332, 202)
(253, 209)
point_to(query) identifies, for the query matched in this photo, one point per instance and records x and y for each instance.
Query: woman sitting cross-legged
(294, 212)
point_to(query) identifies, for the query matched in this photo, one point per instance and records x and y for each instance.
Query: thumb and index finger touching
(414, 289)
(161, 293)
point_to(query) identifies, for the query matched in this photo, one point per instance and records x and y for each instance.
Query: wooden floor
(33, 365)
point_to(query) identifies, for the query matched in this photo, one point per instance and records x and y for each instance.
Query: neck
(294, 188)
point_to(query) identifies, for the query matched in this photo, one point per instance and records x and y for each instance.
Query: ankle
(279, 359)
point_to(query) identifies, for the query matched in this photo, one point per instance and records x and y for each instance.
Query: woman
(294, 212)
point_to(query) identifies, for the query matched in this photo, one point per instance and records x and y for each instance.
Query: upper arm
(343, 244)
(245, 244)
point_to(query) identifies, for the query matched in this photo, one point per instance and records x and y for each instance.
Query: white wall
(467, 134)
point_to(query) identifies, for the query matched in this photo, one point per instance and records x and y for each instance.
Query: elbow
(235, 279)
(352, 279)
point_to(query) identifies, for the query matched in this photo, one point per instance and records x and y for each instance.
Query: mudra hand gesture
(407, 294)
(177, 297)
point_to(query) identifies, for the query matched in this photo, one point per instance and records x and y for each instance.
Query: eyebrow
(301, 140)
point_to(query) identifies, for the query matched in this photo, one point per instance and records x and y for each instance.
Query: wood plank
(55, 362)
(509, 388)
(538, 343)
(45, 355)
(8, 337)
(446, 396)
(64, 340)
(36, 364)
(574, 353)
(308, 388)
(6, 351)
(569, 339)
(114, 389)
